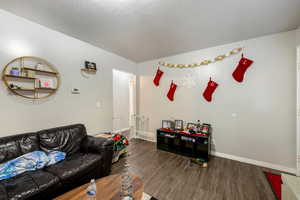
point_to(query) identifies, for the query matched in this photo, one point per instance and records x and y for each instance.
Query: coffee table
(108, 188)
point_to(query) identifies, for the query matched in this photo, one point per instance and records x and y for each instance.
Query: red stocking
(171, 92)
(211, 86)
(158, 75)
(240, 70)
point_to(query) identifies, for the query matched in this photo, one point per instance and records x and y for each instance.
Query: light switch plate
(98, 104)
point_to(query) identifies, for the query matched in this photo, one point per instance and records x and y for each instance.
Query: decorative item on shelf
(15, 71)
(89, 67)
(167, 124)
(192, 128)
(31, 71)
(198, 126)
(205, 128)
(38, 66)
(179, 125)
(46, 83)
(23, 73)
(14, 87)
(30, 74)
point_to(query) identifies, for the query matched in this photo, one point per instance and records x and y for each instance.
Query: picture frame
(179, 124)
(167, 124)
(205, 128)
(46, 83)
(191, 126)
(90, 65)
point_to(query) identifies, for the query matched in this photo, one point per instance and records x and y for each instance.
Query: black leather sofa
(87, 157)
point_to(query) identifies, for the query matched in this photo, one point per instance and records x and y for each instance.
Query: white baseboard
(146, 139)
(122, 130)
(145, 135)
(255, 162)
(110, 131)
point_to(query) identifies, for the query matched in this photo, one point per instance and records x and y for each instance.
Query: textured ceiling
(142, 30)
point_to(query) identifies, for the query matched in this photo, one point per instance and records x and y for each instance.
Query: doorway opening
(124, 103)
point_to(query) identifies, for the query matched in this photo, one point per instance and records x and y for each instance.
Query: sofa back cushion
(17, 145)
(66, 139)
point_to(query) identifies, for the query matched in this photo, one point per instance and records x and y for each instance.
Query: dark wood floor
(168, 176)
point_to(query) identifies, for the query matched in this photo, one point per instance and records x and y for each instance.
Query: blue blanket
(29, 162)
(55, 157)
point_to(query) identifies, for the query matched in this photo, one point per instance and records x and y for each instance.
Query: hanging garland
(237, 75)
(202, 63)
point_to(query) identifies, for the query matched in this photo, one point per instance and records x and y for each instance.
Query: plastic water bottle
(91, 190)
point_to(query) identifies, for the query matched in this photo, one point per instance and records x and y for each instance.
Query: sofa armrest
(96, 145)
(103, 146)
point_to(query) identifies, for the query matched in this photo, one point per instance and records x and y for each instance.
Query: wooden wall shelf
(21, 77)
(45, 89)
(36, 63)
(41, 71)
(24, 89)
(89, 70)
(33, 90)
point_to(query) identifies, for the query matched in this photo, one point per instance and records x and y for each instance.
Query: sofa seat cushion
(43, 179)
(75, 167)
(28, 184)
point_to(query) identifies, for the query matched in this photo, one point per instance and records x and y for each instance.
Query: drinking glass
(126, 187)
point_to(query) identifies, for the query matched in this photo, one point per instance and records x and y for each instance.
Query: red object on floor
(275, 183)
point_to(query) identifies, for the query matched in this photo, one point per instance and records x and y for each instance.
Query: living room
(172, 100)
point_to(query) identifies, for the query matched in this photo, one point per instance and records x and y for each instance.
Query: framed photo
(205, 128)
(166, 124)
(90, 65)
(179, 124)
(46, 83)
(191, 126)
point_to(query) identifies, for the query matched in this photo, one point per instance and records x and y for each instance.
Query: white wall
(298, 111)
(19, 37)
(254, 119)
(298, 37)
(298, 97)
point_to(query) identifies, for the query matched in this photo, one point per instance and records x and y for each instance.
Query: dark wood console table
(191, 145)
